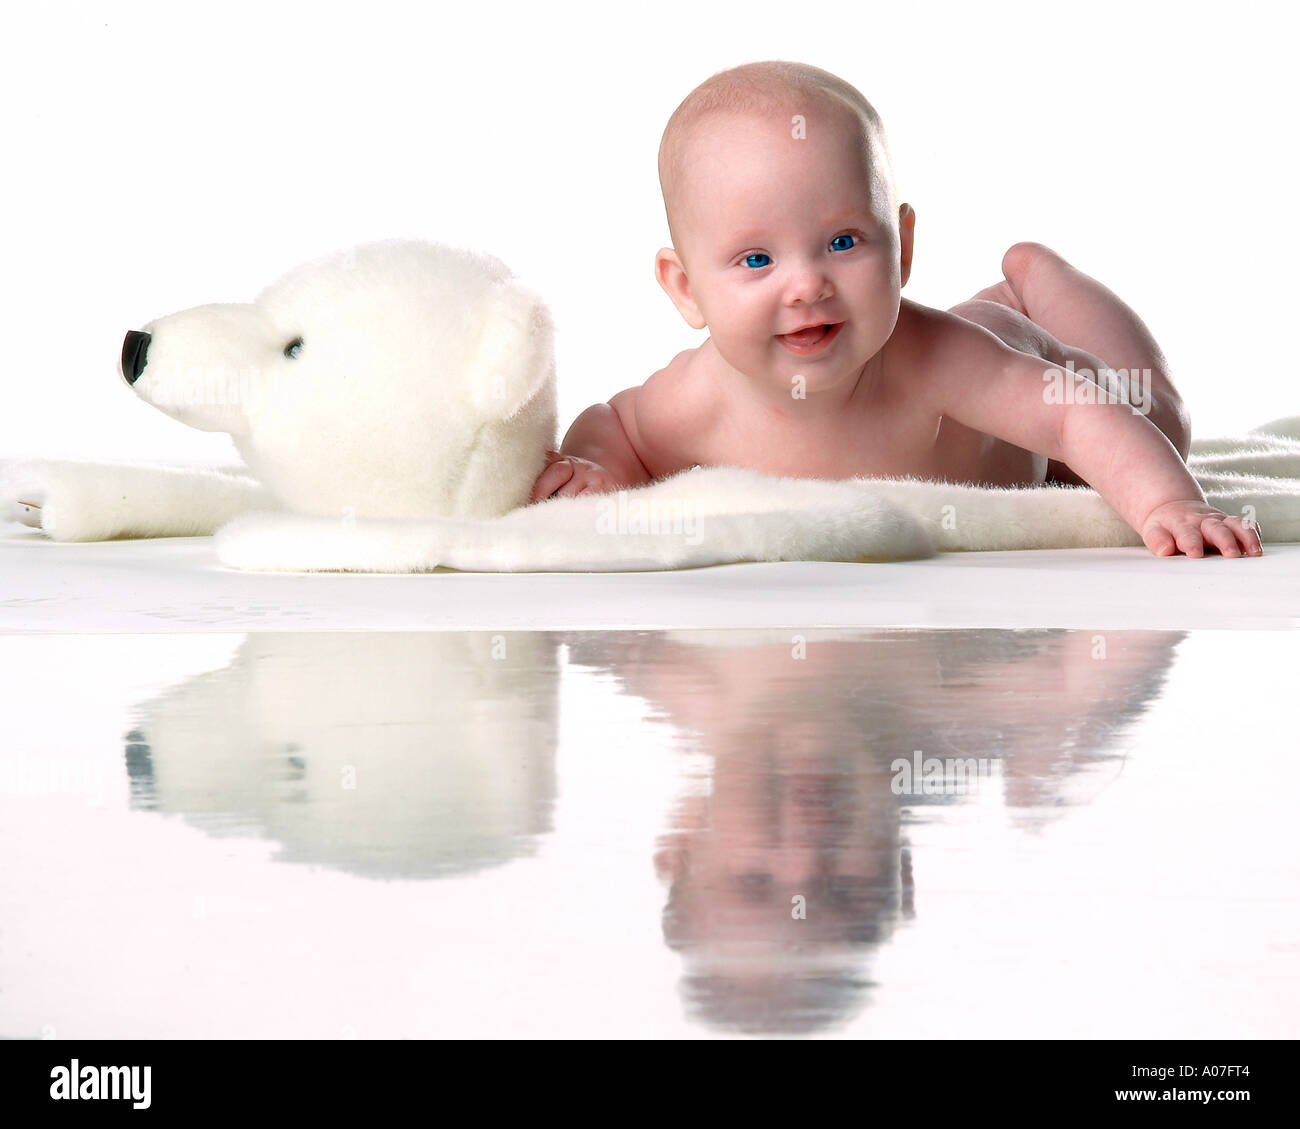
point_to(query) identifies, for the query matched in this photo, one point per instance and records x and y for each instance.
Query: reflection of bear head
(400, 379)
(394, 755)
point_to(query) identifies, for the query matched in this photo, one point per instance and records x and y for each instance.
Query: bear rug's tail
(723, 514)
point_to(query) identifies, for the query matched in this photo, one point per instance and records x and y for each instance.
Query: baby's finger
(1159, 540)
(1248, 533)
(1189, 541)
(1220, 536)
(571, 489)
(553, 477)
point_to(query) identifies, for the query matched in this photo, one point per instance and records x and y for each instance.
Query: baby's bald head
(785, 92)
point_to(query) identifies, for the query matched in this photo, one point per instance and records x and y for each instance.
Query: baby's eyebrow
(744, 238)
(862, 214)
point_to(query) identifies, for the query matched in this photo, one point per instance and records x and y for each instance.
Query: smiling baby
(789, 245)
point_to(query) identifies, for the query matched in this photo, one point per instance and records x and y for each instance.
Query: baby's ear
(672, 277)
(906, 228)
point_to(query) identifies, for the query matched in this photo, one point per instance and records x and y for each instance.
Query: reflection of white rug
(699, 517)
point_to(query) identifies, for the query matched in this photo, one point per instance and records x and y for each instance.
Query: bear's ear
(516, 356)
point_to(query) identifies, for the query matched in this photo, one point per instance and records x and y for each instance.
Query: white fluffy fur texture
(422, 385)
(723, 514)
(97, 501)
(699, 517)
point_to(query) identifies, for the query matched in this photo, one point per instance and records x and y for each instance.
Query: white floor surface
(175, 584)
(998, 795)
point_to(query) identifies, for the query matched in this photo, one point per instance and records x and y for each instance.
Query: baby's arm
(597, 455)
(993, 388)
(640, 435)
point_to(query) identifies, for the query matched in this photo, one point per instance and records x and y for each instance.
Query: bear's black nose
(135, 354)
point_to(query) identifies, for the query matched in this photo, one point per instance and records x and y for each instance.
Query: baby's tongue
(807, 336)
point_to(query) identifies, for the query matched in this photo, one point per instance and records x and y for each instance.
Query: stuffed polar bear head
(400, 379)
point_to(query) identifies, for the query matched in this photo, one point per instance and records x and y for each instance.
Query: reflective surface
(689, 833)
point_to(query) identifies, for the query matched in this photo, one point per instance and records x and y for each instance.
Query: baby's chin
(794, 373)
(803, 377)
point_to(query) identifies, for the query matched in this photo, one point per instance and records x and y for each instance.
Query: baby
(789, 245)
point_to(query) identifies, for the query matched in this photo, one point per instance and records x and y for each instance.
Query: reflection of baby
(789, 869)
(789, 245)
(782, 881)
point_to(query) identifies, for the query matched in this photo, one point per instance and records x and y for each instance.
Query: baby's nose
(809, 285)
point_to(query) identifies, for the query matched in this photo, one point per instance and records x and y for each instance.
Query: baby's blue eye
(842, 243)
(757, 261)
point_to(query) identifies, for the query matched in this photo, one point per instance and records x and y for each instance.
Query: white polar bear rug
(718, 515)
(703, 516)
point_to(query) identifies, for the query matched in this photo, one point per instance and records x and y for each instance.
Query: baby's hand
(567, 476)
(1190, 526)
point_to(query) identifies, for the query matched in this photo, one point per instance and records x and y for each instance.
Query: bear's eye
(293, 348)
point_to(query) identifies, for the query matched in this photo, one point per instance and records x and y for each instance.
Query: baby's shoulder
(920, 325)
(928, 341)
(666, 417)
(690, 384)
(679, 373)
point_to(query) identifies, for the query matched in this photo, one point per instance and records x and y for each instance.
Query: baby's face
(779, 233)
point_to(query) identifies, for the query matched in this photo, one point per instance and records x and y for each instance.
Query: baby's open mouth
(813, 339)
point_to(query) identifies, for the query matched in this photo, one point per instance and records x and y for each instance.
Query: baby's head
(783, 214)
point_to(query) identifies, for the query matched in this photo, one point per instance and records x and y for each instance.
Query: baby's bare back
(888, 429)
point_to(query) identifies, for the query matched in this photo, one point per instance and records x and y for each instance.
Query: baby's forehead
(717, 149)
(793, 118)
(704, 145)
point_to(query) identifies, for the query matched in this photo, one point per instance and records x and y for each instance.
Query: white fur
(98, 501)
(409, 429)
(730, 514)
(698, 517)
(424, 387)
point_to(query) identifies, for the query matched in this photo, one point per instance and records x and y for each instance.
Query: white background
(159, 157)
